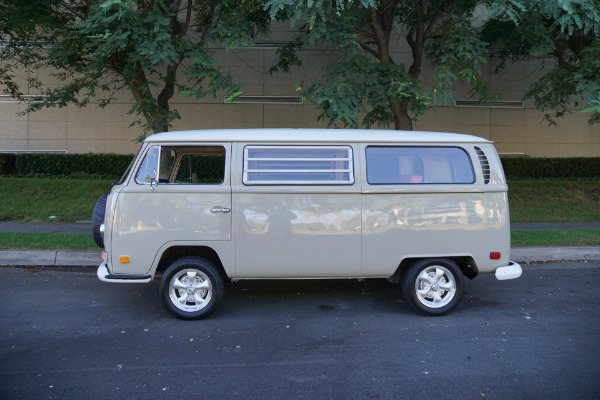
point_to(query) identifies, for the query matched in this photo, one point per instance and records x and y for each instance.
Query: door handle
(220, 209)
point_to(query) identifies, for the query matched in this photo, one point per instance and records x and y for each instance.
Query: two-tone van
(197, 208)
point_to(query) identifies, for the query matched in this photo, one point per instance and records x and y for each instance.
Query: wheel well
(465, 263)
(176, 252)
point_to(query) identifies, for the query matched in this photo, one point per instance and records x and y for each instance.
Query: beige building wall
(93, 129)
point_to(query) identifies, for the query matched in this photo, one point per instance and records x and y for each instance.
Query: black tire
(198, 298)
(98, 219)
(433, 286)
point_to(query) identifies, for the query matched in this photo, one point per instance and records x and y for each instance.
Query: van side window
(183, 165)
(305, 165)
(200, 165)
(418, 165)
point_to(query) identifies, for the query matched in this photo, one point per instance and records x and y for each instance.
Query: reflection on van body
(321, 230)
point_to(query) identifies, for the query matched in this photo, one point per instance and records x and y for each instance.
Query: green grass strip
(570, 237)
(47, 241)
(38, 199)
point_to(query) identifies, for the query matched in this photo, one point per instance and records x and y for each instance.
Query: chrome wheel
(190, 290)
(435, 287)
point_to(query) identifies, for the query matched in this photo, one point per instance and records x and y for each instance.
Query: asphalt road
(66, 335)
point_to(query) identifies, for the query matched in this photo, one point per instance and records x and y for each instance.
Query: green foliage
(356, 86)
(551, 167)
(99, 166)
(97, 48)
(563, 36)
(364, 85)
(459, 57)
(314, 11)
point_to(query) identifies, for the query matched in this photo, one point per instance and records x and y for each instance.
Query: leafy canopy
(369, 84)
(563, 37)
(153, 48)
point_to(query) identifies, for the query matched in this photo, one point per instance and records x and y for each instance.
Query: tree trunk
(402, 120)
(381, 24)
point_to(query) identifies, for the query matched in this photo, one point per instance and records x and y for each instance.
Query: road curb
(554, 254)
(50, 258)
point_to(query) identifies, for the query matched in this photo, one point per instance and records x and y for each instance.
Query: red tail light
(494, 255)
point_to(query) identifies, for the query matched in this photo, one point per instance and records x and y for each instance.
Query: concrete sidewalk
(92, 258)
(50, 258)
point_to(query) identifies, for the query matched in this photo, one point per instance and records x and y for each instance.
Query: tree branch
(417, 44)
(188, 18)
(380, 40)
(369, 50)
(364, 33)
(206, 21)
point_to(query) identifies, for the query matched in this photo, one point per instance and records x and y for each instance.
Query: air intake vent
(485, 165)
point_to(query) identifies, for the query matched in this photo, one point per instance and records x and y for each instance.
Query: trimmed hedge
(106, 166)
(112, 166)
(7, 163)
(551, 167)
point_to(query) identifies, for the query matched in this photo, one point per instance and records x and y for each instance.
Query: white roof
(312, 136)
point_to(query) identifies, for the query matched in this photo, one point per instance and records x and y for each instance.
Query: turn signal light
(124, 259)
(494, 255)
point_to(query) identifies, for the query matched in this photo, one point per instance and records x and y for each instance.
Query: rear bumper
(511, 271)
(105, 276)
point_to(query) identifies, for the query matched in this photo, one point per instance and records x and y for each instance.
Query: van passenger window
(304, 165)
(201, 165)
(418, 165)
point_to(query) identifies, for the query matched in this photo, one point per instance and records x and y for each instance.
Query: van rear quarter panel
(417, 224)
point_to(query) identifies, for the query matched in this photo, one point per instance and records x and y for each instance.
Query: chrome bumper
(511, 271)
(105, 276)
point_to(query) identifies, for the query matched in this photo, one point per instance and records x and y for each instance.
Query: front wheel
(191, 288)
(434, 286)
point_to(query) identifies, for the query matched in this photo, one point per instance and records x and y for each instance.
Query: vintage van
(419, 208)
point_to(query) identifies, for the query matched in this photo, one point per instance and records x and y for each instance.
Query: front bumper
(105, 276)
(512, 271)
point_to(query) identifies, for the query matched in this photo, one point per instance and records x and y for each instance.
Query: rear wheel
(191, 288)
(433, 286)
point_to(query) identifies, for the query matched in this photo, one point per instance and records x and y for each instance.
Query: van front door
(179, 194)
